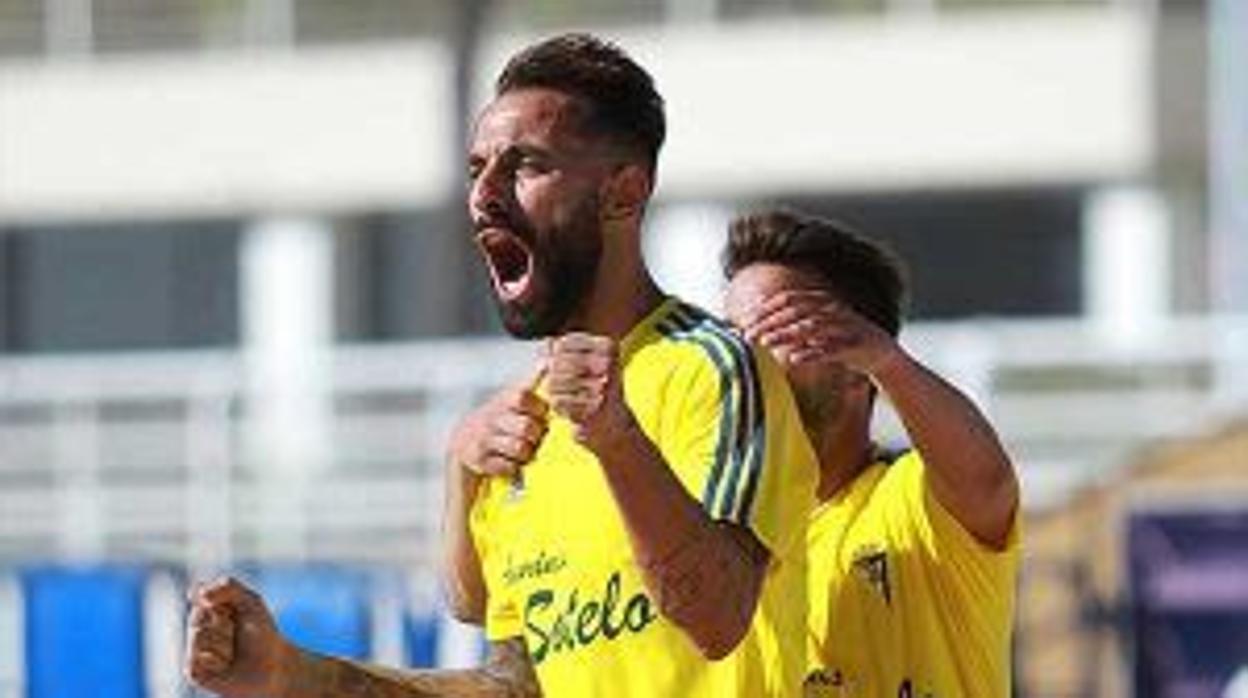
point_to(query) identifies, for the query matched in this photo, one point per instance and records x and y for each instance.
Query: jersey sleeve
(785, 495)
(737, 442)
(959, 557)
(502, 616)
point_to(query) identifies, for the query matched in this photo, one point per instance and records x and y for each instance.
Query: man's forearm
(704, 575)
(508, 674)
(461, 566)
(969, 470)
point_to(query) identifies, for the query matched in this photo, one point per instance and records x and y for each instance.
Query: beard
(816, 407)
(820, 401)
(565, 265)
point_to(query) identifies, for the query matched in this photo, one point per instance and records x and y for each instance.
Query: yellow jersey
(904, 602)
(556, 556)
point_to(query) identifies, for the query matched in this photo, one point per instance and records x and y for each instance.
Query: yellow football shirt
(904, 602)
(556, 556)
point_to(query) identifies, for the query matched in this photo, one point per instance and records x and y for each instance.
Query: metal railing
(146, 457)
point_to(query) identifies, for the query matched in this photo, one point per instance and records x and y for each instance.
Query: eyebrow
(514, 151)
(527, 150)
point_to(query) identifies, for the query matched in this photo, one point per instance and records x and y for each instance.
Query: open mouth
(510, 261)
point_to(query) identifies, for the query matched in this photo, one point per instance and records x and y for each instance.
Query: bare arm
(235, 650)
(706, 576)
(462, 580)
(507, 674)
(967, 468)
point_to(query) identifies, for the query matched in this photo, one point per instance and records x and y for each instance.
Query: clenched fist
(233, 647)
(583, 381)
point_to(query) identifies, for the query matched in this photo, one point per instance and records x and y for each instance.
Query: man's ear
(625, 192)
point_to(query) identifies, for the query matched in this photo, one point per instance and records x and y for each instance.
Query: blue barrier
(84, 628)
(420, 640)
(84, 631)
(321, 607)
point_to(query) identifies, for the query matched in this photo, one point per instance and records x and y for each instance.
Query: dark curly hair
(865, 274)
(620, 96)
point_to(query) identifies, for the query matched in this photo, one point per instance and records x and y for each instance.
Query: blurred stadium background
(239, 311)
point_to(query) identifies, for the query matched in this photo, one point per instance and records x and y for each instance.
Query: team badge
(871, 565)
(824, 683)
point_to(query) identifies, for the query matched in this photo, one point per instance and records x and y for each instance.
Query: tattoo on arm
(704, 576)
(507, 674)
(509, 664)
(720, 556)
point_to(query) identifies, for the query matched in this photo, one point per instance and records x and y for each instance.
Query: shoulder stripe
(717, 494)
(738, 501)
(729, 492)
(681, 329)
